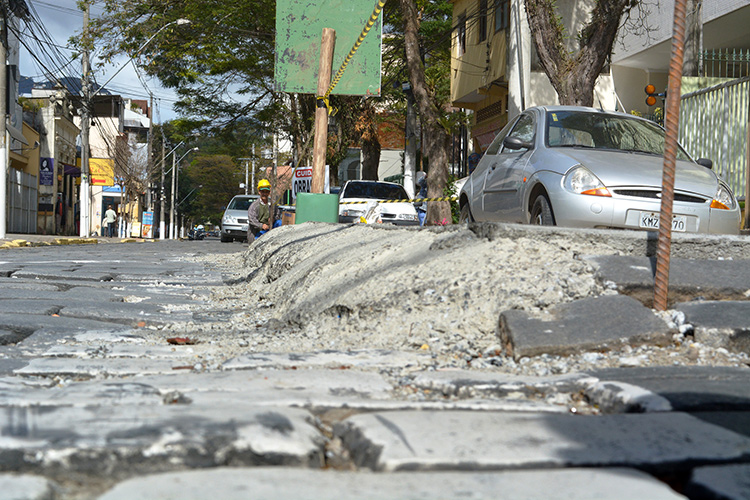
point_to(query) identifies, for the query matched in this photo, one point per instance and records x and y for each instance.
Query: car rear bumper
(350, 219)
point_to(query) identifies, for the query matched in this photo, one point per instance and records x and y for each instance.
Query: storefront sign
(46, 171)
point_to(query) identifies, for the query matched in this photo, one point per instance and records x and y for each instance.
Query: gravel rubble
(448, 309)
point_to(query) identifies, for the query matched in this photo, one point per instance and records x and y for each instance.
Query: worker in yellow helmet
(259, 220)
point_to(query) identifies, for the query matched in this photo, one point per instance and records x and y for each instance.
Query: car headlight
(581, 180)
(723, 199)
(228, 219)
(349, 212)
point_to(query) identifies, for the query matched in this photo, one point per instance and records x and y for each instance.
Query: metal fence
(22, 204)
(714, 125)
(725, 63)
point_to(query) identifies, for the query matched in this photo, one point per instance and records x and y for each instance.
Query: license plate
(244, 227)
(650, 220)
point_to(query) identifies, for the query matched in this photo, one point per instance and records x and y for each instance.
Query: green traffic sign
(299, 27)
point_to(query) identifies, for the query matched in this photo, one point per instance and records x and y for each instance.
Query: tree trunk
(573, 73)
(370, 157)
(436, 138)
(693, 38)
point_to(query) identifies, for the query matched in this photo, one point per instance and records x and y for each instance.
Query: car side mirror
(705, 162)
(515, 143)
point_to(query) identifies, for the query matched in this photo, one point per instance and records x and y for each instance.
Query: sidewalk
(36, 240)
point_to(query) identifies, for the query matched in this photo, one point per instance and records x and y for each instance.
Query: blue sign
(148, 218)
(46, 171)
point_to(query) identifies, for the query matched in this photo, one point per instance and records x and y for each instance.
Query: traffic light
(652, 95)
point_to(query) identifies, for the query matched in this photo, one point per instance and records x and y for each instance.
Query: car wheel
(465, 215)
(225, 239)
(541, 212)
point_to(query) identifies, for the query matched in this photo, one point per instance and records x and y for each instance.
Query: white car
(234, 221)
(356, 195)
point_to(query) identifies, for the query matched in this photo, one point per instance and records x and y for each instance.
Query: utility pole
(150, 147)
(172, 218)
(162, 198)
(253, 176)
(85, 193)
(245, 160)
(3, 131)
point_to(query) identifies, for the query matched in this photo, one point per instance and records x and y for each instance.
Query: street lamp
(178, 22)
(172, 213)
(85, 188)
(162, 198)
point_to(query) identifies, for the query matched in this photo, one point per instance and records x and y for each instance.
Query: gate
(714, 125)
(22, 202)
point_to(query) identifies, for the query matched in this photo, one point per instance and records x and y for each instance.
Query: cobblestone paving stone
(190, 370)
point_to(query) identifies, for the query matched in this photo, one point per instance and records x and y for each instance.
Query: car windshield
(240, 203)
(375, 191)
(605, 131)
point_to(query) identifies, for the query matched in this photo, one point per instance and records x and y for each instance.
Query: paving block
(27, 487)
(735, 421)
(472, 383)
(588, 324)
(127, 439)
(724, 482)
(31, 323)
(688, 278)
(125, 313)
(723, 323)
(264, 483)
(8, 337)
(374, 358)
(679, 388)
(88, 368)
(413, 440)
(30, 306)
(22, 393)
(313, 387)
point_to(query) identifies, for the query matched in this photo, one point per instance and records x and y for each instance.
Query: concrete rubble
(375, 362)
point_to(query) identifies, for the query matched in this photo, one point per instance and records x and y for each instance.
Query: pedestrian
(421, 206)
(110, 217)
(259, 220)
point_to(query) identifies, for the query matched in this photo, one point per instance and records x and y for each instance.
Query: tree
(226, 52)
(211, 177)
(435, 134)
(573, 72)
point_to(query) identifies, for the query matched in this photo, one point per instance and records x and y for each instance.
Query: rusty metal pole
(321, 113)
(671, 124)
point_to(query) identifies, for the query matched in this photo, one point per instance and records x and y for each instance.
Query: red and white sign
(302, 181)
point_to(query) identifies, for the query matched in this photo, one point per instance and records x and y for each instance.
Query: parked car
(234, 220)
(583, 167)
(402, 214)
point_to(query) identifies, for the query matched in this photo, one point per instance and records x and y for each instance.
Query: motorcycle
(196, 234)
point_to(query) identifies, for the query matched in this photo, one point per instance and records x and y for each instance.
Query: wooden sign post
(321, 112)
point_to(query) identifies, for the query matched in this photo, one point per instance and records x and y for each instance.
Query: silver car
(583, 167)
(234, 221)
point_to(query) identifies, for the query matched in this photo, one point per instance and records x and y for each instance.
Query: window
(502, 14)
(482, 36)
(523, 129)
(461, 34)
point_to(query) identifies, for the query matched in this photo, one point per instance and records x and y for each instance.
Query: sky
(62, 19)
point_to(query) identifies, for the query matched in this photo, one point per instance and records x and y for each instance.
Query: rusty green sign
(299, 27)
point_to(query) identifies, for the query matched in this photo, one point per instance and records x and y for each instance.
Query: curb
(21, 243)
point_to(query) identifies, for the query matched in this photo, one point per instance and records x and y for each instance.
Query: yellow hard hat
(264, 184)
